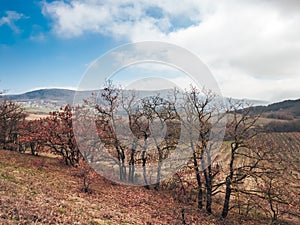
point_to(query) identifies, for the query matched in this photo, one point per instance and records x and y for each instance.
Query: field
(34, 114)
(285, 147)
(290, 142)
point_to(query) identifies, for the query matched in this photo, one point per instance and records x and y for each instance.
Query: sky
(252, 47)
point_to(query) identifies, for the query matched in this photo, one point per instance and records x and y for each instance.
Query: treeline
(280, 116)
(53, 134)
(139, 135)
(283, 126)
(288, 107)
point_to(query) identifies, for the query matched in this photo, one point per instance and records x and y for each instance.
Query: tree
(59, 136)
(135, 148)
(31, 136)
(274, 180)
(201, 115)
(242, 130)
(163, 114)
(106, 120)
(11, 116)
(139, 126)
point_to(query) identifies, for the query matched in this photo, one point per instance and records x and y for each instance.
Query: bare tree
(133, 117)
(272, 184)
(242, 129)
(106, 116)
(201, 115)
(139, 124)
(163, 115)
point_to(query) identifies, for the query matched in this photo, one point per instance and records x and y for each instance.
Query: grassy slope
(41, 190)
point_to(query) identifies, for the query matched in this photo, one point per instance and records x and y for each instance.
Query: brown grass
(42, 190)
(34, 116)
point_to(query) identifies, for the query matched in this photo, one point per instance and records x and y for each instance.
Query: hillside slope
(288, 107)
(41, 190)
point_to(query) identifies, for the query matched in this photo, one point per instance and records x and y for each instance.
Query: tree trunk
(228, 184)
(131, 168)
(208, 198)
(208, 186)
(227, 198)
(144, 160)
(158, 169)
(199, 183)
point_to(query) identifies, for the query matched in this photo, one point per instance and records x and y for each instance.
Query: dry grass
(42, 190)
(36, 116)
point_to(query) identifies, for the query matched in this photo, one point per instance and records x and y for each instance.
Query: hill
(46, 98)
(53, 99)
(286, 110)
(44, 94)
(42, 190)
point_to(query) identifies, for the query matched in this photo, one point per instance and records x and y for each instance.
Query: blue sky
(33, 56)
(251, 47)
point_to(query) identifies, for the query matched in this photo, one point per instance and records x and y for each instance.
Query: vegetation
(42, 190)
(255, 176)
(11, 117)
(281, 110)
(279, 126)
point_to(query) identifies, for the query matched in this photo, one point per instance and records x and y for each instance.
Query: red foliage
(58, 131)
(54, 133)
(32, 135)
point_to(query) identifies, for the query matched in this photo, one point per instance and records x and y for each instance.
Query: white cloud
(252, 46)
(10, 19)
(119, 17)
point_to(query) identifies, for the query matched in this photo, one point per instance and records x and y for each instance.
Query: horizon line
(75, 90)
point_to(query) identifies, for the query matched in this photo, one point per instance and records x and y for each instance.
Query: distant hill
(47, 98)
(285, 110)
(281, 116)
(44, 100)
(66, 96)
(63, 95)
(53, 99)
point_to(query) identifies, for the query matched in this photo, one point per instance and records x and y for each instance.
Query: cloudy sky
(252, 47)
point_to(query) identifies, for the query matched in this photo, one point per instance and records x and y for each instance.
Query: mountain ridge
(60, 97)
(60, 93)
